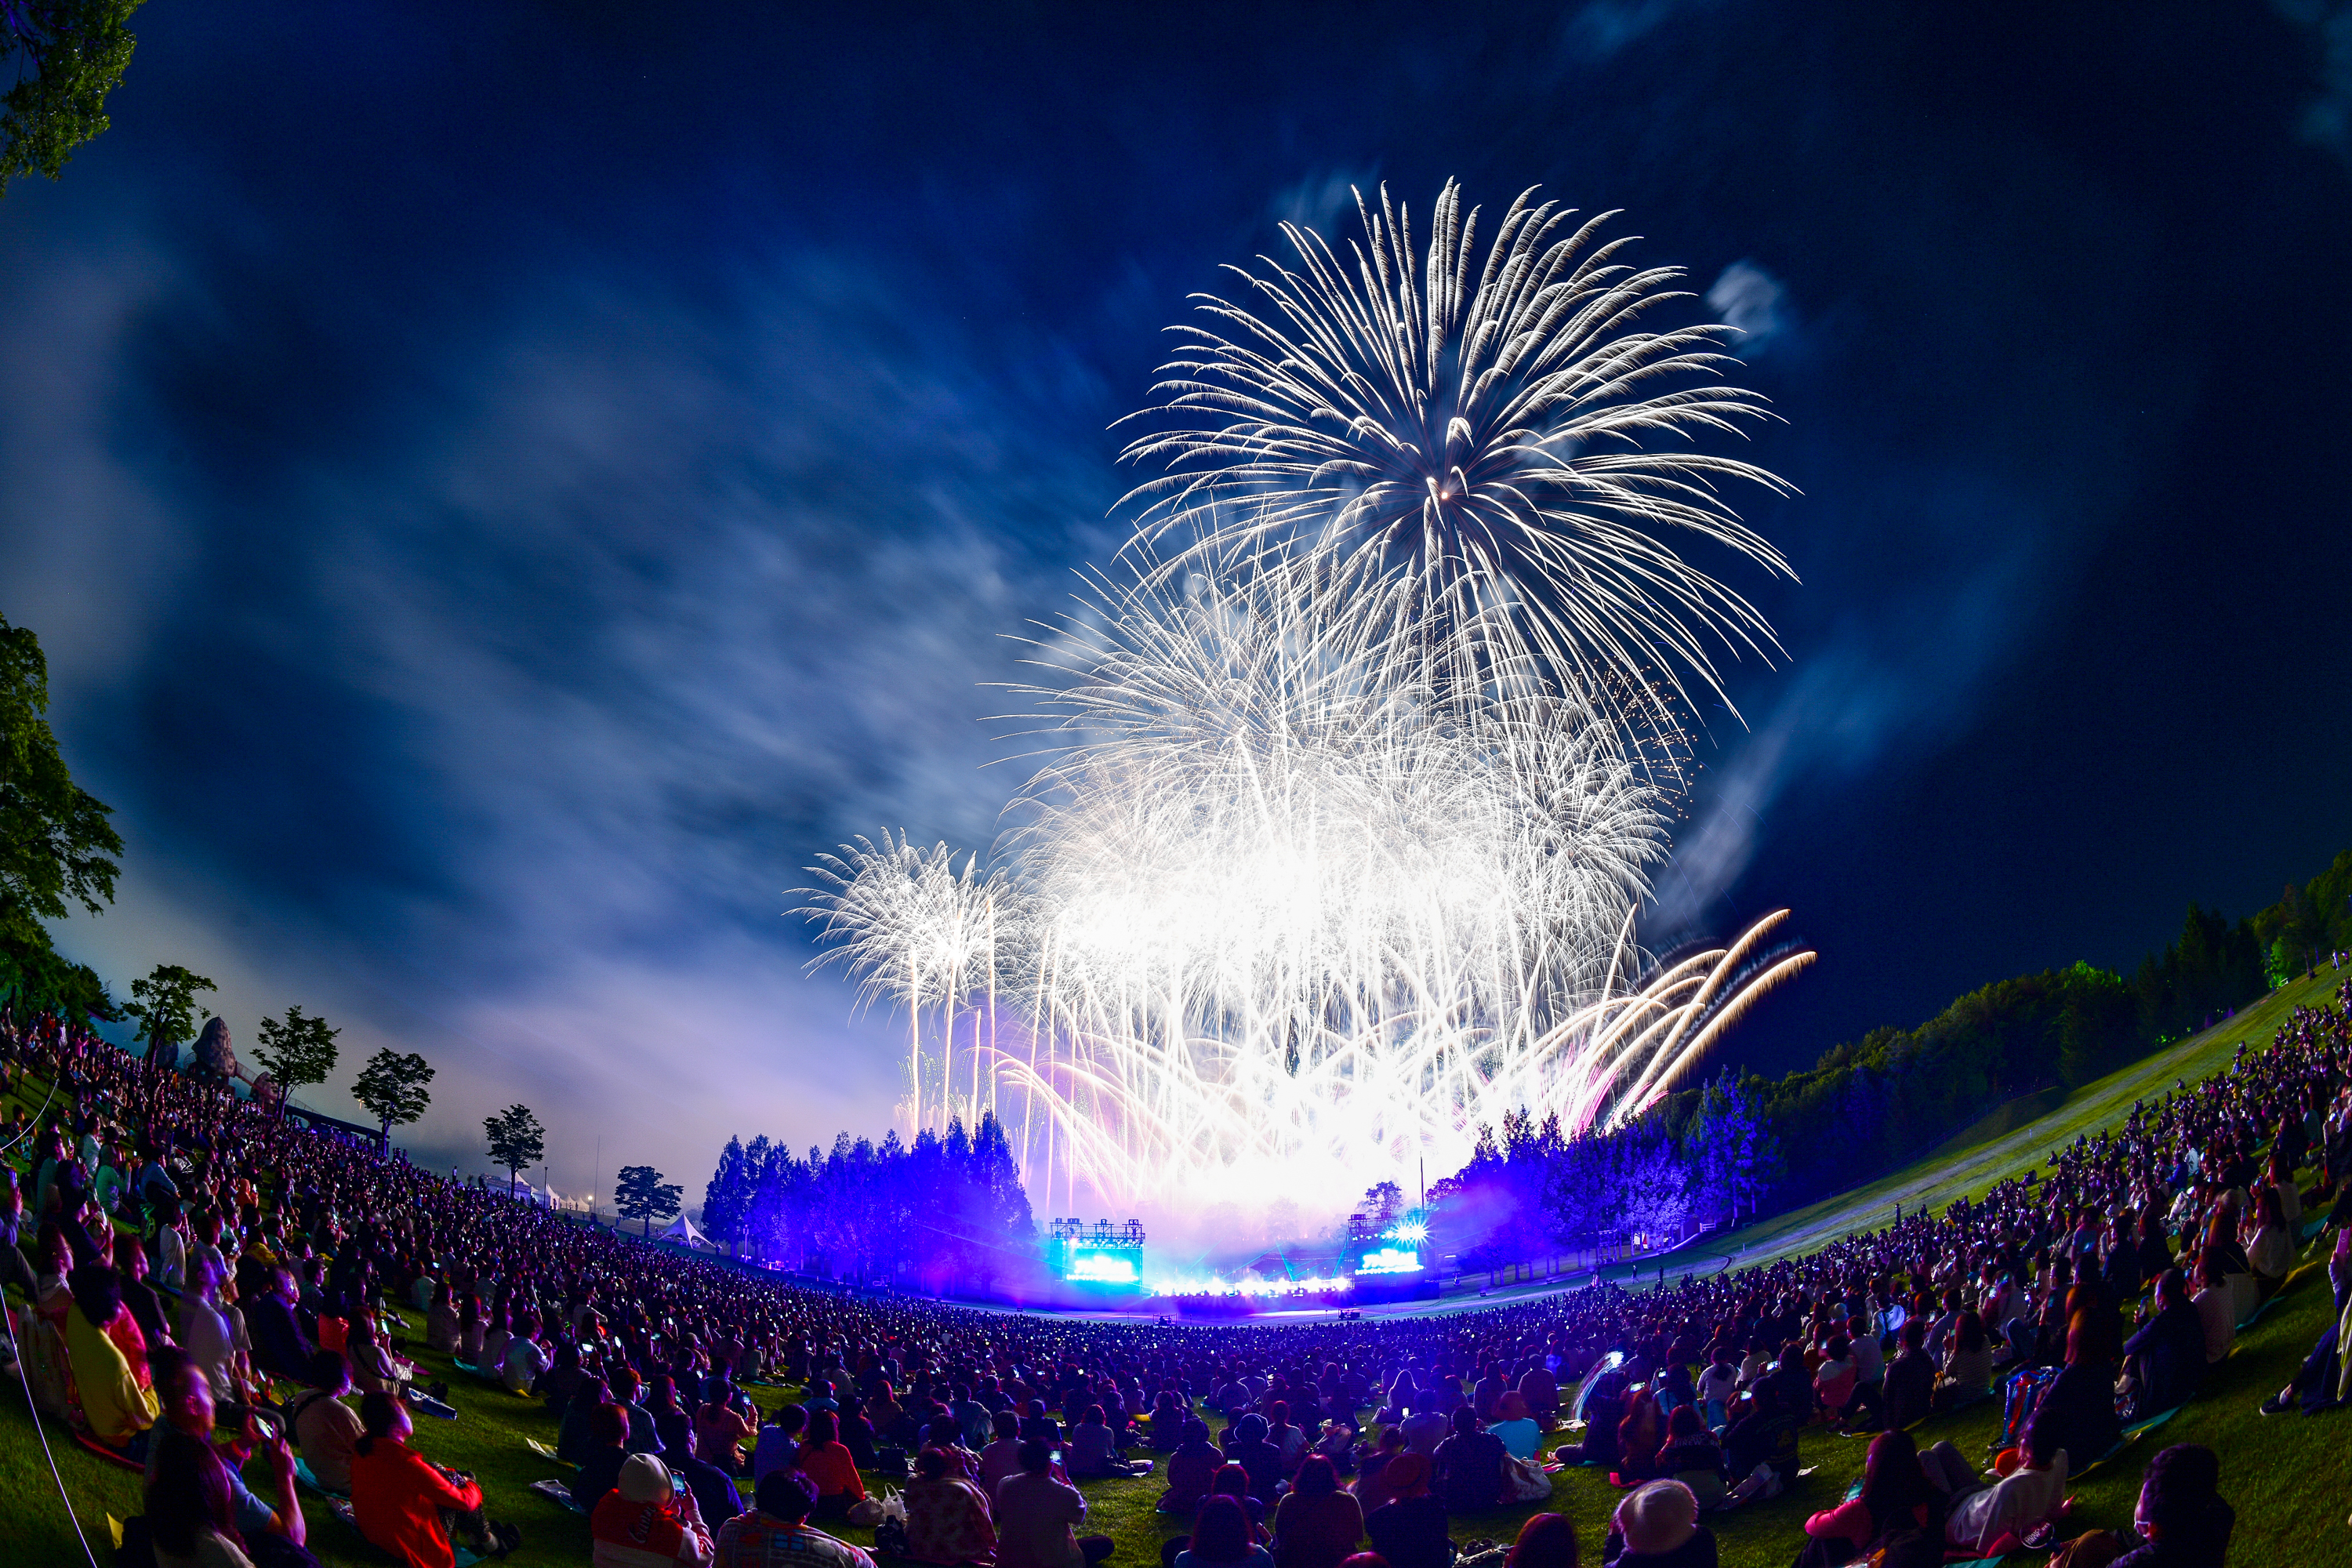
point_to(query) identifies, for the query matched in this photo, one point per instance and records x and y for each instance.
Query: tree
(392, 1087)
(727, 1197)
(296, 1050)
(68, 55)
(1382, 1202)
(517, 1139)
(55, 844)
(164, 1003)
(643, 1196)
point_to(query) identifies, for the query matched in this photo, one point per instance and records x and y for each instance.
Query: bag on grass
(1524, 1481)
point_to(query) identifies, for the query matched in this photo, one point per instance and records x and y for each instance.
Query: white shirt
(205, 1336)
(2016, 1502)
(2216, 1310)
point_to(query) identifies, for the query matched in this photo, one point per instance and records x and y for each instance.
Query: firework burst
(1348, 795)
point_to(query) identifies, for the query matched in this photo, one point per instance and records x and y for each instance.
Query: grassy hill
(2283, 1474)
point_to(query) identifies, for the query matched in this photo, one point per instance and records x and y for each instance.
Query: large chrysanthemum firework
(1503, 427)
(1347, 798)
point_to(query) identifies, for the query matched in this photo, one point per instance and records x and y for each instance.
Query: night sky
(502, 488)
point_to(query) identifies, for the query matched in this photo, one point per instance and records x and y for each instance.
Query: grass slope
(2283, 1474)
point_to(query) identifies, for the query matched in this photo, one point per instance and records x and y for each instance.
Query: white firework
(1348, 800)
(1499, 429)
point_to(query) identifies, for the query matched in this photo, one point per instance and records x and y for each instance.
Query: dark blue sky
(504, 488)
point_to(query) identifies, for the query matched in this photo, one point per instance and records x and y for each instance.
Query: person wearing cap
(1410, 1530)
(1658, 1522)
(647, 1521)
(777, 1532)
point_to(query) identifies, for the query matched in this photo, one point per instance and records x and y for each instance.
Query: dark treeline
(943, 1211)
(1872, 1105)
(1535, 1191)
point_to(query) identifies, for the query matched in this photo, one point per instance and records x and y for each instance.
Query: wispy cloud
(655, 600)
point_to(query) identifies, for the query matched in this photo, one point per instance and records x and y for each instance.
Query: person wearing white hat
(648, 1520)
(1660, 1525)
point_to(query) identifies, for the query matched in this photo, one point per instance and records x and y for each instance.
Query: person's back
(1036, 1519)
(1093, 1449)
(326, 1430)
(1424, 1430)
(1319, 1531)
(948, 1519)
(1470, 1471)
(1410, 1533)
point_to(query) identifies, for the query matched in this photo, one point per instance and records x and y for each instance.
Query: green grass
(2283, 1474)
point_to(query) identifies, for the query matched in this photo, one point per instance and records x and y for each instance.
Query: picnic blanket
(558, 1493)
(544, 1452)
(302, 1477)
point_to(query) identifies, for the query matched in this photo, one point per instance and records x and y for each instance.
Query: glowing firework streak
(1351, 796)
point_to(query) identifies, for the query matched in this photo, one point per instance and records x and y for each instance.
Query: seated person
(1467, 1468)
(1093, 1449)
(109, 1358)
(1410, 1531)
(1517, 1427)
(948, 1517)
(327, 1429)
(405, 1505)
(1190, 1469)
(187, 1424)
(1979, 1515)
(1317, 1525)
(1896, 1497)
(645, 1520)
(1693, 1456)
(1658, 1525)
(777, 1530)
(1221, 1539)
(603, 1449)
(829, 1467)
(2180, 1516)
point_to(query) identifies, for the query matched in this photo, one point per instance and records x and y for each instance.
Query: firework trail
(1350, 786)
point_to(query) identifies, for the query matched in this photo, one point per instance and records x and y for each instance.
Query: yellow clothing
(118, 1408)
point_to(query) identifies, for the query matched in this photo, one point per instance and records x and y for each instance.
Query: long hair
(191, 1492)
(1220, 1530)
(1891, 1480)
(1546, 1540)
(376, 1411)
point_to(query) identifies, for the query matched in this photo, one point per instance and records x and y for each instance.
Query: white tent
(683, 1229)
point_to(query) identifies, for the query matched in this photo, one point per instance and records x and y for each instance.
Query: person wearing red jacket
(403, 1502)
(648, 1520)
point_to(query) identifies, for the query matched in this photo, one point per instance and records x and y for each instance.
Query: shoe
(2277, 1405)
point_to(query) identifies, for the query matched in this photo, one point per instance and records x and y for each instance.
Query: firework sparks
(1349, 792)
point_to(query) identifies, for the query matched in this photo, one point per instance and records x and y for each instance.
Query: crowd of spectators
(207, 1280)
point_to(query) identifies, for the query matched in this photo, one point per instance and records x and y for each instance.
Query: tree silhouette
(164, 1003)
(643, 1196)
(296, 1050)
(517, 1139)
(392, 1087)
